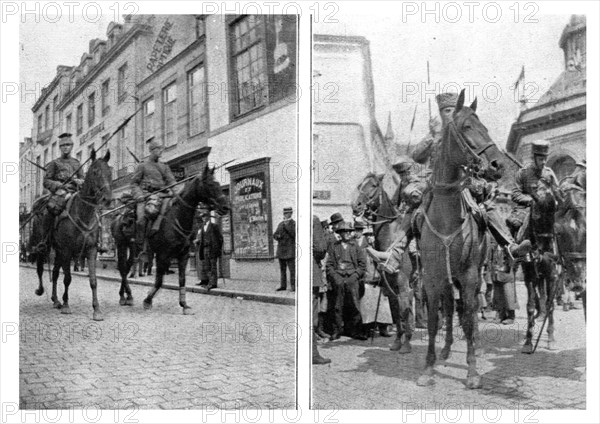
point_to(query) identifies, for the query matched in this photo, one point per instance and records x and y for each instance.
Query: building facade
(347, 141)
(219, 85)
(560, 114)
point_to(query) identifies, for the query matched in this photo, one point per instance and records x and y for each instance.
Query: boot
(396, 345)
(317, 359)
(383, 330)
(319, 329)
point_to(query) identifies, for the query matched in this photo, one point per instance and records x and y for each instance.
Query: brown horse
(76, 233)
(173, 237)
(570, 229)
(373, 205)
(452, 244)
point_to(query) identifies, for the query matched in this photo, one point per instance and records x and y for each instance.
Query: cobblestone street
(365, 376)
(231, 354)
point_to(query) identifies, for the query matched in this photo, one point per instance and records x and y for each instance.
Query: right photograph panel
(449, 209)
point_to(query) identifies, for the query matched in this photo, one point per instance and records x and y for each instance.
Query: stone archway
(562, 165)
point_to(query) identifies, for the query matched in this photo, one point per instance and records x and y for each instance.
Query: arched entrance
(562, 166)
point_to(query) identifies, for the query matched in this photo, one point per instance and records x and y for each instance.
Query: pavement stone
(153, 359)
(369, 376)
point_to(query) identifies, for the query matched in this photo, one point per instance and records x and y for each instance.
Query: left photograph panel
(157, 212)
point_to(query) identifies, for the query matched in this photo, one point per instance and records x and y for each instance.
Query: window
(38, 176)
(170, 114)
(121, 83)
(80, 119)
(47, 118)
(197, 101)
(105, 88)
(148, 123)
(68, 123)
(249, 76)
(45, 157)
(120, 153)
(200, 26)
(55, 120)
(91, 109)
(89, 153)
(40, 128)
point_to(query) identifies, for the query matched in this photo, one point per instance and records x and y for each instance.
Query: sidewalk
(261, 291)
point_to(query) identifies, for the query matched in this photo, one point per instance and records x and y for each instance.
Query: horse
(374, 205)
(172, 240)
(122, 229)
(452, 243)
(570, 230)
(76, 233)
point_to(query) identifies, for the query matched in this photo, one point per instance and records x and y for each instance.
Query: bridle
(369, 206)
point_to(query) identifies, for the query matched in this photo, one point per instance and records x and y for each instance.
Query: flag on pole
(520, 79)
(412, 124)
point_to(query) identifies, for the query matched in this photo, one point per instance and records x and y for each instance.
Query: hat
(153, 144)
(445, 100)
(403, 164)
(344, 226)
(335, 218)
(358, 225)
(288, 210)
(540, 147)
(65, 138)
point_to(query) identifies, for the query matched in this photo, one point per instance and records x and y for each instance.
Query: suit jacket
(212, 238)
(334, 254)
(319, 249)
(286, 239)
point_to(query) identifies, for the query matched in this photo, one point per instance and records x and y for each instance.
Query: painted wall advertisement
(250, 214)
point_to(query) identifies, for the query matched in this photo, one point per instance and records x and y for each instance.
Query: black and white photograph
(157, 205)
(449, 201)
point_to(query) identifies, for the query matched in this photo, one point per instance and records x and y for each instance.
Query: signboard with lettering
(163, 45)
(250, 214)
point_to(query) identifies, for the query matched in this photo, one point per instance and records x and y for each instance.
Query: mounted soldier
(150, 178)
(63, 178)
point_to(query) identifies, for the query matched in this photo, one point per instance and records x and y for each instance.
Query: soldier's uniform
(149, 177)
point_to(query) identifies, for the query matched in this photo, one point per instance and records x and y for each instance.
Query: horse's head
(368, 195)
(97, 183)
(208, 190)
(472, 144)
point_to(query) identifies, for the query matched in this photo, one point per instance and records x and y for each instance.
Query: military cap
(403, 164)
(344, 226)
(152, 144)
(335, 218)
(65, 138)
(445, 100)
(540, 147)
(288, 210)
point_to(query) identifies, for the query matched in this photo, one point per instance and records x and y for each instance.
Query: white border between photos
(9, 268)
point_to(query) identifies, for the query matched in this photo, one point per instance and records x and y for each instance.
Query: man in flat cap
(63, 177)
(150, 176)
(286, 249)
(345, 266)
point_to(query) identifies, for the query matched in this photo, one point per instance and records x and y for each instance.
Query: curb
(241, 295)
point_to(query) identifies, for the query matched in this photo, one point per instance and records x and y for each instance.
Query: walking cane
(376, 313)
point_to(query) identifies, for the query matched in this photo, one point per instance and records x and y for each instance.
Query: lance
(162, 189)
(412, 124)
(36, 164)
(133, 155)
(428, 82)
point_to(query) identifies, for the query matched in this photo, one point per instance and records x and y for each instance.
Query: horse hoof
(445, 354)
(425, 380)
(56, 304)
(405, 348)
(122, 301)
(98, 316)
(39, 291)
(129, 301)
(474, 382)
(188, 311)
(527, 348)
(147, 305)
(65, 310)
(552, 345)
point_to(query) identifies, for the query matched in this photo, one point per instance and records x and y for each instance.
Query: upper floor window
(249, 67)
(40, 125)
(91, 108)
(47, 118)
(200, 26)
(170, 114)
(197, 101)
(148, 123)
(54, 111)
(121, 83)
(80, 119)
(105, 93)
(68, 123)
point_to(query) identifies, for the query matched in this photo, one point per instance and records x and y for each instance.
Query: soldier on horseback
(151, 176)
(63, 178)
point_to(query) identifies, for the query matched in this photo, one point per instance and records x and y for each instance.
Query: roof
(569, 82)
(576, 24)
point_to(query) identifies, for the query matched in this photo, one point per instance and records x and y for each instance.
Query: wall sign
(162, 47)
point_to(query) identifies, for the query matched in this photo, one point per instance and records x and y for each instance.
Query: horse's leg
(40, 273)
(407, 319)
(552, 288)
(55, 272)
(128, 265)
(66, 267)
(433, 302)
(182, 264)
(122, 265)
(92, 253)
(469, 299)
(584, 301)
(162, 264)
(448, 301)
(529, 277)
